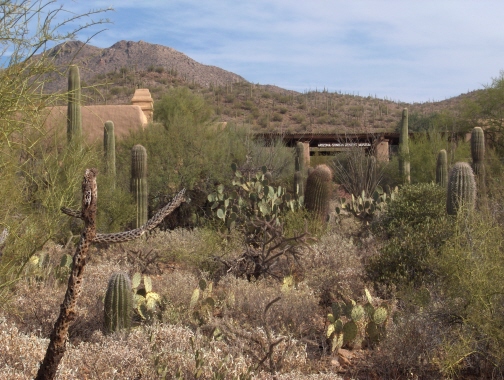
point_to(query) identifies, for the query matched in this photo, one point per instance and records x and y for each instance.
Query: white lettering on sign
(330, 145)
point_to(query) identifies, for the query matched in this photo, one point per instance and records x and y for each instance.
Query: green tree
(38, 175)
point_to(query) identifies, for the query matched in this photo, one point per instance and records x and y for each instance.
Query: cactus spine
(139, 183)
(109, 149)
(118, 303)
(318, 191)
(461, 189)
(74, 118)
(404, 162)
(442, 168)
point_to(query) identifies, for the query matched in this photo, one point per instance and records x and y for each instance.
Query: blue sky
(408, 50)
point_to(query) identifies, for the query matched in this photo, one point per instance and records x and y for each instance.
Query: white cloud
(408, 50)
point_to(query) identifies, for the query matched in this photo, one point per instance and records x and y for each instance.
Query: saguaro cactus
(74, 118)
(404, 162)
(300, 173)
(300, 157)
(318, 191)
(139, 183)
(461, 189)
(118, 303)
(478, 163)
(109, 148)
(442, 168)
(299, 185)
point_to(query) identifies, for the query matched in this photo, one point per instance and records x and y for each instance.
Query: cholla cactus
(461, 189)
(118, 303)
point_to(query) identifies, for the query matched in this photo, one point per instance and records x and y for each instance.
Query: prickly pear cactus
(74, 118)
(461, 189)
(364, 207)
(139, 183)
(318, 191)
(442, 168)
(404, 160)
(109, 148)
(118, 303)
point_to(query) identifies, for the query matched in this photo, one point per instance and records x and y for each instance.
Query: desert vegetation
(269, 268)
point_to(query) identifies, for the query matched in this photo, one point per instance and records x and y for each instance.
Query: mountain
(111, 75)
(135, 57)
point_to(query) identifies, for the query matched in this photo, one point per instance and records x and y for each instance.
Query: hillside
(110, 76)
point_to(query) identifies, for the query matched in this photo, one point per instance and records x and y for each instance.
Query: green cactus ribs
(74, 118)
(139, 183)
(404, 159)
(442, 168)
(318, 191)
(118, 303)
(109, 149)
(461, 189)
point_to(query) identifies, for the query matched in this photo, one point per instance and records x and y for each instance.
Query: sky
(408, 50)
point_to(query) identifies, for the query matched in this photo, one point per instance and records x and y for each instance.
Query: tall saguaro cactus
(74, 118)
(318, 191)
(442, 168)
(118, 303)
(478, 153)
(478, 163)
(461, 189)
(139, 183)
(404, 160)
(109, 149)
(300, 171)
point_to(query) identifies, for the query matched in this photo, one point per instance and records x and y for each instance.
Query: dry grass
(162, 348)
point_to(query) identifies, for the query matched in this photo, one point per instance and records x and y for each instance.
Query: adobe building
(126, 118)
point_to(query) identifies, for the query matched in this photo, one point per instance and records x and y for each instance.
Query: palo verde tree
(36, 178)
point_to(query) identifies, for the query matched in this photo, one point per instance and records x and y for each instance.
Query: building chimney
(143, 98)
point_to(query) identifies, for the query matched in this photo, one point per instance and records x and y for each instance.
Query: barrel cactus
(109, 148)
(139, 183)
(318, 191)
(442, 168)
(404, 162)
(118, 303)
(461, 189)
(74, 118)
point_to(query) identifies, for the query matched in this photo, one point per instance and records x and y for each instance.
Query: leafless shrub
(266, 251)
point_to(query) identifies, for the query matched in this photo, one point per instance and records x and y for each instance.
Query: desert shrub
(357, 171)
(183, 155)
(247, 301)
(413, 227)
(333, 265)
(470, 267)
(410, 347)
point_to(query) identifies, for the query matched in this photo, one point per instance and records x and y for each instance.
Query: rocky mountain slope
(111, 75)
(131, 57)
